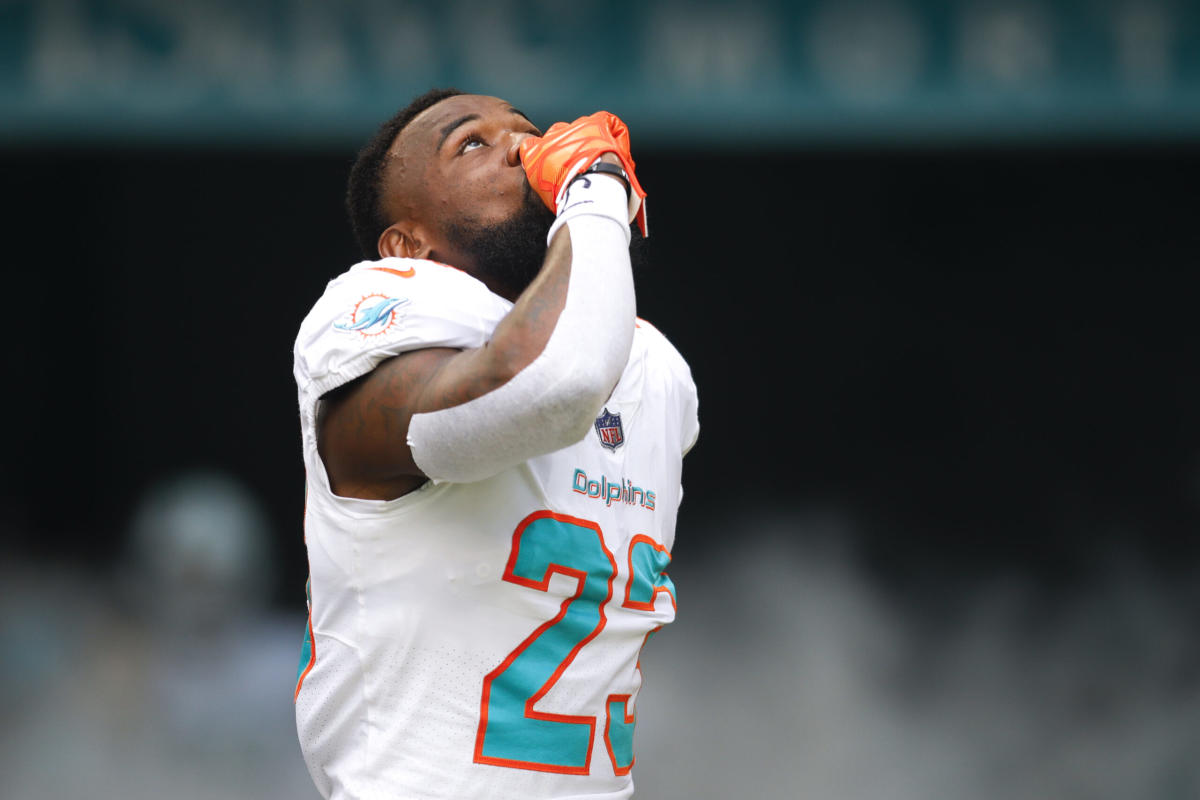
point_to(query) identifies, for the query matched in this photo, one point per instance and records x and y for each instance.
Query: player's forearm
(522, 335)
(551, 400)
(589, 346)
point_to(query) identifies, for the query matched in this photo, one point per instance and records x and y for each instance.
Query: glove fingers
(566, 148)
(620, 134)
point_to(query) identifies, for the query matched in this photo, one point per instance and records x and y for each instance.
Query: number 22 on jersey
(512, 733)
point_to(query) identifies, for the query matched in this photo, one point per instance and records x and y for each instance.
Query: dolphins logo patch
(373, 315)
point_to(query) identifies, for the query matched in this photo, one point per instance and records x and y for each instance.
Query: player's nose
(512, 155)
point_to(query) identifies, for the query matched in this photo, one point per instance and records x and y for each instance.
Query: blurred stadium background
(932, 264)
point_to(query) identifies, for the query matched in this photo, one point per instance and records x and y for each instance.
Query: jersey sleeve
(691, 411)
(689, 404)
(681, 388)
(380, 309)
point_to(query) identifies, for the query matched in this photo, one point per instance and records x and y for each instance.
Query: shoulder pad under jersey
(380, 309)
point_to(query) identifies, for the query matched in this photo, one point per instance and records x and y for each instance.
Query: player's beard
(509, 254)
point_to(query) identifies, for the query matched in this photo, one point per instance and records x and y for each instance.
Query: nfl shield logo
(608, 427)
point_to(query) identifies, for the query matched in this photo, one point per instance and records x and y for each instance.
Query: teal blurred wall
(680, 73)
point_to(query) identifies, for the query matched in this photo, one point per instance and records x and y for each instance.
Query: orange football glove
(553, 160)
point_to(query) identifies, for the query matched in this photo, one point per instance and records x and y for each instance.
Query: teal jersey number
(512, 733)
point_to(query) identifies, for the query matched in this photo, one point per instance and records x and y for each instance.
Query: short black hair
(364, 189)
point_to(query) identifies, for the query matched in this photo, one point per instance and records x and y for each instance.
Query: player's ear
(403, 240)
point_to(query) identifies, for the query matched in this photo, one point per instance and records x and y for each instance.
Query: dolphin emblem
(377, 314)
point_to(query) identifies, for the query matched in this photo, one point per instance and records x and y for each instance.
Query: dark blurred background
(931, 263)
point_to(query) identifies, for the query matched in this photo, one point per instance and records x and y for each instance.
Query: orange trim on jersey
(637, 667)
(405, 273)
(645, 605)
(411, 271)
(312, 656)
(312, 641)
(544, 586)
(629, 719)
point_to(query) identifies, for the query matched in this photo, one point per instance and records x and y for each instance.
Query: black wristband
(608, 169)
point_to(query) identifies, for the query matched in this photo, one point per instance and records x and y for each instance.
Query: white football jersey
(481, 640)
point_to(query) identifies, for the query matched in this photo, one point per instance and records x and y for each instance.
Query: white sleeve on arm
(552, 402)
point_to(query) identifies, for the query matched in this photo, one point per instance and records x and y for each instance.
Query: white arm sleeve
(552, 402)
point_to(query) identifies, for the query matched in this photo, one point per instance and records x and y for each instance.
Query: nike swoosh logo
(407, 273)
